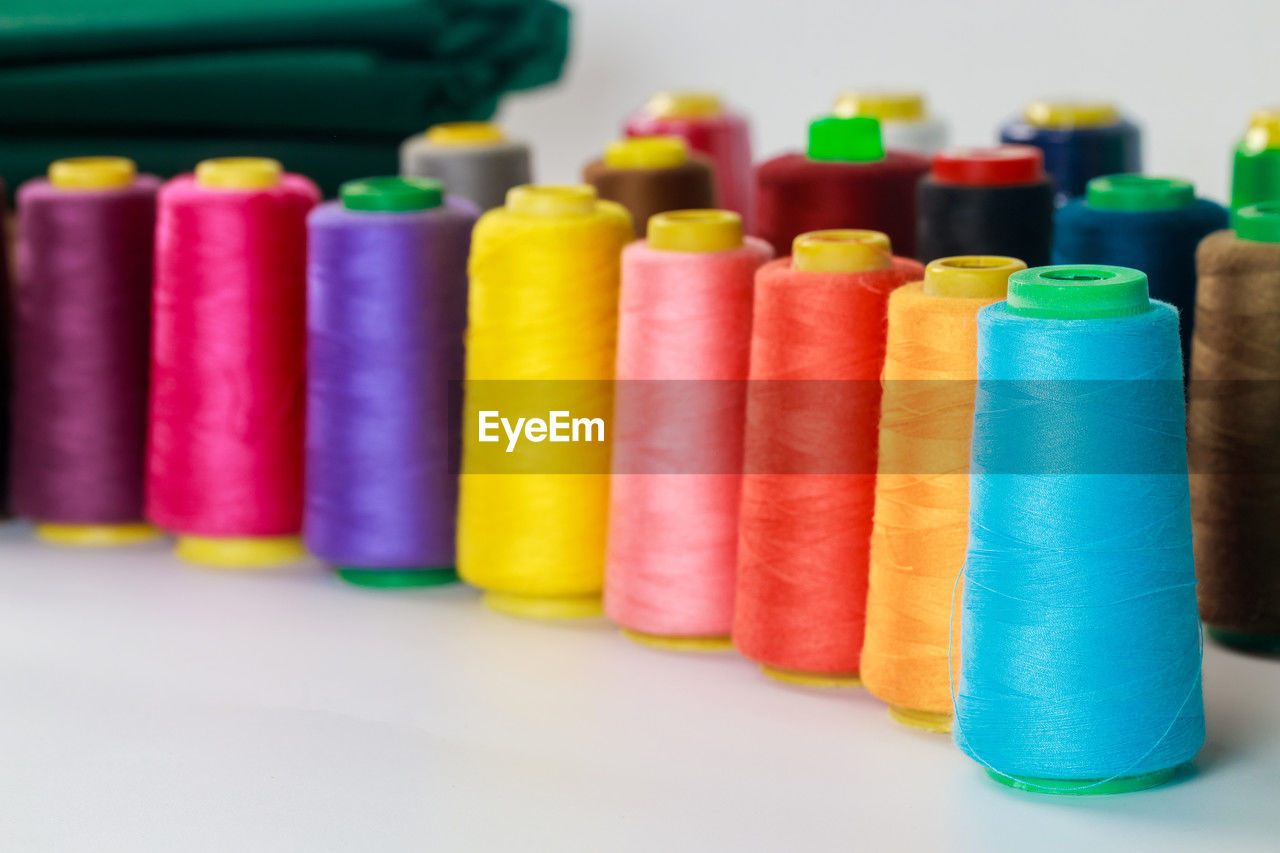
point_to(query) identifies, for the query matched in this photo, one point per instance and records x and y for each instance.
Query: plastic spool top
(1259, 222)
(552, 200)
(695, 231)
(465, 134)
(1139, 193)
(999, 165)
(92, 173)
(646, 152)
(885, 106)
(1071, 114)
(852, 139)
(841, 250)
(1078, 292)
(971, 276)
(239, 173)
(391, 194)
(687, 104)
(1264, 130)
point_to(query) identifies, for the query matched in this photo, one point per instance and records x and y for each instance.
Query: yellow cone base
(252, 552)
(96, 535)
(679, 644)
(811, 679)
(539, 607)
(927, 721)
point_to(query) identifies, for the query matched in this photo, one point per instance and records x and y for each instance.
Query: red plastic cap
(988, 167)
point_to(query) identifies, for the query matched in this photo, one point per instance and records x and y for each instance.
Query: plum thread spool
(1235, 372)
(1080, 662)
(809, 458)
(905, 122)
(386, 311)
(986, 201)
(84, 258)
(921, 524)
(684, 340)
(474, 159)
(846, 180)
(225, 441)
(1147, 223)
(1081, 140)
(711, 129)
(652, 174)
(543, 312)
(1255, 169)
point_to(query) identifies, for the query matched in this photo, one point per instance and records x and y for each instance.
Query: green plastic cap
(1139, 193)
(391, 194)
(398, 578)
(1078, 292)
(853, 139)
(1258, 222)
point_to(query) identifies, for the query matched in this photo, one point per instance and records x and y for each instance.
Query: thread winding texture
(387, 303)
(813, 406)
(1081, 647)
(227, 388)
(82, 338)
(684, 339)
(644, 192)
(1013, 219)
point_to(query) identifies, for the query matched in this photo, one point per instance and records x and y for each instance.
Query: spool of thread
(543, 316)
(387, 307)
(905, 124)
(474, 159)
(1080, 662)
(684, 342)
(845, 181)
(652, 174)
(225, 439)
(703, 121)
(1255, 171)
(988, 201)
(6, 359)
(813, 408)
(85, 244)
(1235, 365)
(1081, 140)
(922, 490)
(1150, 224)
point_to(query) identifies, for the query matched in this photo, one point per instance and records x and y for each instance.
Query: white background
(1189, 72)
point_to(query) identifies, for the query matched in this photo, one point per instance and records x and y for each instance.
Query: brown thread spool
(652, 174)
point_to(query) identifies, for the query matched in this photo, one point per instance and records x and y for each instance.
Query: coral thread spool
(543, 314)
(1081, 140)
(652, 174)
(474, 159)
(386, 309)
(846, 180)
(905, 123)
(986, 201)
(225, 444)
(921, 524)
(813, 407)
(83, 325)
(1080, 664)
(1255, 169)
(684, 340)
(1233, 446)
(703, 121)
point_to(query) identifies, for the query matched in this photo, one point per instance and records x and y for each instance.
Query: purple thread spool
(386, 312)
(81, 351)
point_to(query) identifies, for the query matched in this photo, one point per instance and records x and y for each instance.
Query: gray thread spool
(473, 159)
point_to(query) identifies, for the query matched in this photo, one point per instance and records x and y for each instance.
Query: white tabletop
(151, 705)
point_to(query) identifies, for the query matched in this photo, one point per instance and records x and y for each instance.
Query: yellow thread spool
(465, 134)
(687, 104)
(886, 106)
(543, 309)
(1068, 114)
(239, 173)
(646, 152)
(842, 250)
(921, 518)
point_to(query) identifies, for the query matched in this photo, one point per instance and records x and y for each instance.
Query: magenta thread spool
(387, 308)
(83, 319)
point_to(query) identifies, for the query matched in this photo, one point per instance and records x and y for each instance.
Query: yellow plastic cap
(239, 173)
(646, 152)
(971, 276)
(544, 607)
(695, 231)
(465, 134)
(1065, 114)
(1264, 130)
(842, 250)
(886, 106)
(684, 105)
(92, 173)
(552, 199)
(96, 535)
(679, 644)
(241, 552)
(811, 679)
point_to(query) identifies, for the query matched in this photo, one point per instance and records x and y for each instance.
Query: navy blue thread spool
(1080, 140)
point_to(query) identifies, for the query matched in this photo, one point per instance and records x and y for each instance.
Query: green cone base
(1087, 787)
(398, 578)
